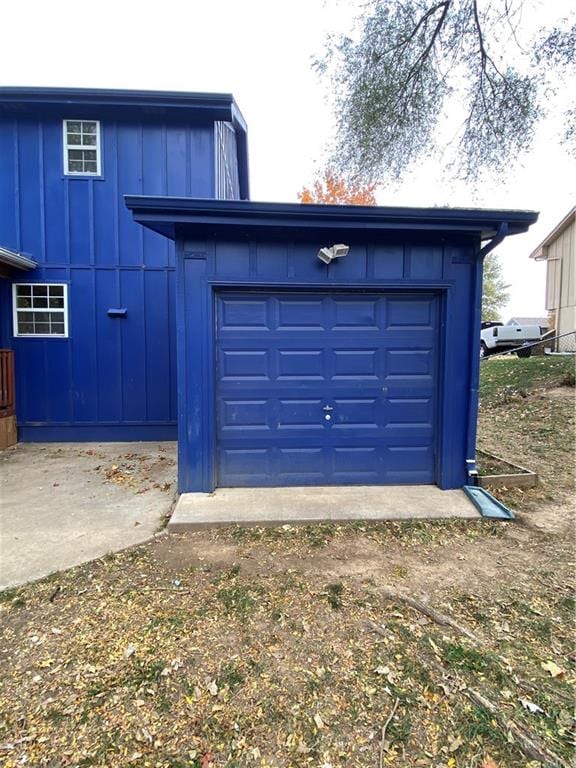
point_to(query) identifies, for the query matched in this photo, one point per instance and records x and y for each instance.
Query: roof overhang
(541, 252)
(16, 260)
(171, 215)
(196, 108)
(216, 106)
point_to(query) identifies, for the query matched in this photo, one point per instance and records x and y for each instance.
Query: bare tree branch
(413, 59)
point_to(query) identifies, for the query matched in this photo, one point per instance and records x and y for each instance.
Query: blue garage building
(294, 371)
(280, 364)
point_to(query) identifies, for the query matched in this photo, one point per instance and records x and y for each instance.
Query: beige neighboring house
(558, 249)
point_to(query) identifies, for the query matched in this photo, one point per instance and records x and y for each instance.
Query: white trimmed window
(40, 309)
(82, 147)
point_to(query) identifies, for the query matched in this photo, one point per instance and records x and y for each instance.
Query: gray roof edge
(539, 254)
(14, 259)
(124, 97)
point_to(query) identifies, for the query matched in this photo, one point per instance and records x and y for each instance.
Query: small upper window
(82, 147)
(40, 309)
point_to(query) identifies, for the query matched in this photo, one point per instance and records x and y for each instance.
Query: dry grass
(250, 647)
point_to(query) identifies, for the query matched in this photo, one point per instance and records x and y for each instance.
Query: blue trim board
(102, 433)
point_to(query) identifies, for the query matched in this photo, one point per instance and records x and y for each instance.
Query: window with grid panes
(82, 147)
(40, 309)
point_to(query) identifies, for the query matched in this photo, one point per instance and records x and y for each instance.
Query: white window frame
(67, 147)
(17, 310)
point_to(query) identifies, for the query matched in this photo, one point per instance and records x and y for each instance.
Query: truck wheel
(524, 352)
(483, 350)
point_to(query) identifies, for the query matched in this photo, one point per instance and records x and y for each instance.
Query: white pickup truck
(496, 337)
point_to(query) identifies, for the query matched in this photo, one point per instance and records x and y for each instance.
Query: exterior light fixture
(337, 251)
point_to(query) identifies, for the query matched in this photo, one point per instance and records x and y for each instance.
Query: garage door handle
(327, 408)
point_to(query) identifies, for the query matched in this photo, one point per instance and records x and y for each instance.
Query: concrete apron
(278, 506)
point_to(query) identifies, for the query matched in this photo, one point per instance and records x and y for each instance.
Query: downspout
(471, 471)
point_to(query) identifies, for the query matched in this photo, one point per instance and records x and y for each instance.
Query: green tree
(494, 289)
(457, 76)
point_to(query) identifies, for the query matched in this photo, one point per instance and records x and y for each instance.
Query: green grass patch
(503, 379)
(473, 661)
(232, 676)
(237, 600)
(479, 725)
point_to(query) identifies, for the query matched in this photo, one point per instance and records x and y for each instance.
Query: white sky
(261, 51)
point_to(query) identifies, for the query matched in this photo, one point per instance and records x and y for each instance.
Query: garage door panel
(403, 363)
(302, 364)
(245, 364)
(245, 466)
(304, 465)
(301, 314)
(356, 412)
(409, 463)
(410, 313)
(357, 460)
(302, 413)
(286, 363)
(405, 413)
(356, 314)
(355, 364)
(242, 315)
(244, 414)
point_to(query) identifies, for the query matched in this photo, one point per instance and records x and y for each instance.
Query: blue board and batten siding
(112, 378)
(269, 336)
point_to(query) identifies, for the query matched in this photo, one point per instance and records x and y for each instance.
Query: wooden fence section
(6, 382)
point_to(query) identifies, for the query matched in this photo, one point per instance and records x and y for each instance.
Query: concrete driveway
(62, 504)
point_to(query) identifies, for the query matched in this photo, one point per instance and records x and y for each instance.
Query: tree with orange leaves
(331, 190)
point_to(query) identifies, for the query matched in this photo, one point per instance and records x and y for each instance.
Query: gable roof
(540, 253)
(541, 321)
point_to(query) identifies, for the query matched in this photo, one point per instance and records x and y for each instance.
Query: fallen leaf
(319, 722)
(554, 669)
(207, 759)
(434, 646)
(455, 744)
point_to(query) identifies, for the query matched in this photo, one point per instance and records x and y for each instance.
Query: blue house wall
(113, 377)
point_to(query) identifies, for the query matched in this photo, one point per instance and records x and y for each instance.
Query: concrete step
(280, 506)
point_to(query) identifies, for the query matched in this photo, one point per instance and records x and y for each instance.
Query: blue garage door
(326, 388)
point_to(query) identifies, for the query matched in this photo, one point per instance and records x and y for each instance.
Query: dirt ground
(295, 646)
